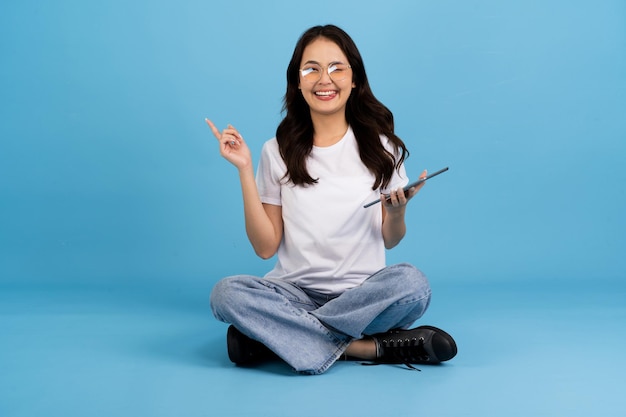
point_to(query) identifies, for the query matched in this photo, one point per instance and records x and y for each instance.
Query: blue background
(114, 198)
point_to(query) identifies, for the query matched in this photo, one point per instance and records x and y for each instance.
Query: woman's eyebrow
(330, 63)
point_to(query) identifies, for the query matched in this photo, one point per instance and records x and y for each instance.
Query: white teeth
(324, 93)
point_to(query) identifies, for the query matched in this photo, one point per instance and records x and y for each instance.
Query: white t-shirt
(330, 242)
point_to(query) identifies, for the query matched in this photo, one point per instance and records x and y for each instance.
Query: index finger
(216, 132)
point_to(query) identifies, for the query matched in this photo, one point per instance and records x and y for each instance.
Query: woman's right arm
(264, 222)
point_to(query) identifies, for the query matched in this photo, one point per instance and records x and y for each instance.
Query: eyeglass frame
(322, 67)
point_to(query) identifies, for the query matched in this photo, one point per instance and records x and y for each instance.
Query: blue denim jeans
(310, 331)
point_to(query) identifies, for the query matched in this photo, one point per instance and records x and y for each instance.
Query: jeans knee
(223, 297)
(414, 282)
(418, 293)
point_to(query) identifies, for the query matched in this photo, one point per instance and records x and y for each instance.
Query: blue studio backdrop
(109, 176)
(118, 215)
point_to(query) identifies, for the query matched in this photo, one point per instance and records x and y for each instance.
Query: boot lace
(403, 351)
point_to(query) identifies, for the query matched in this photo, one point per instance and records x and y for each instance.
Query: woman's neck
(328, 129)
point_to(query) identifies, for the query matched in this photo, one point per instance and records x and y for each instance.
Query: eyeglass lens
(313, 72)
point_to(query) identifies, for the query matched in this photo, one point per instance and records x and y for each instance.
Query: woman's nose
(325, 78)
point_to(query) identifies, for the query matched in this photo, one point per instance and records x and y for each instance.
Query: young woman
(330, 293)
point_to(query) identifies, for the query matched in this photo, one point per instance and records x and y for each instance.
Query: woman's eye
(310, 70)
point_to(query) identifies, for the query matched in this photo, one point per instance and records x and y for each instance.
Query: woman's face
(325, 93)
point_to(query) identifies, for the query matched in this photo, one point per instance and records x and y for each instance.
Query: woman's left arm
(394, 209)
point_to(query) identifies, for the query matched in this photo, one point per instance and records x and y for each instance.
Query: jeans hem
(331, 360)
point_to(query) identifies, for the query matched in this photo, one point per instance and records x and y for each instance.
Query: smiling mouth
(327, 93)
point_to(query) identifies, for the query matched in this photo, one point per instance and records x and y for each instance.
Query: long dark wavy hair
(367, 116)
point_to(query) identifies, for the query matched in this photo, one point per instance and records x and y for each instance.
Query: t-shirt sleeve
(270, 173)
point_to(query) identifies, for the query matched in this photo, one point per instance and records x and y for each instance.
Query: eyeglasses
(312, 73)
